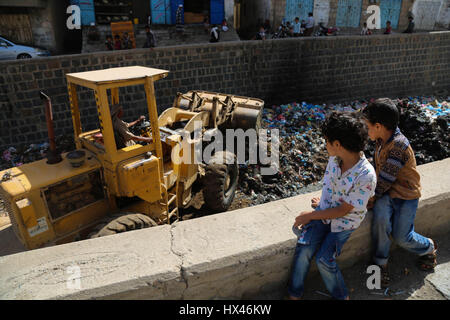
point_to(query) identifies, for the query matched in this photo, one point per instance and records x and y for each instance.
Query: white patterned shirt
(355, 187)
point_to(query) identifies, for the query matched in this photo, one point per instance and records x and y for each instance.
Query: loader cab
(105, 85)
(124, 167)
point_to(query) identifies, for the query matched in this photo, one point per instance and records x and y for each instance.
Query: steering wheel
(142, 129)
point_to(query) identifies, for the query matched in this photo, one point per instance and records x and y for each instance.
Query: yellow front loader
(99, 189)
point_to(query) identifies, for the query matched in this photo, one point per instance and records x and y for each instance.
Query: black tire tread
(214, 183)
(121, 222)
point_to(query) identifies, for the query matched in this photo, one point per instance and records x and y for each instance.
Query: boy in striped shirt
(398, 189)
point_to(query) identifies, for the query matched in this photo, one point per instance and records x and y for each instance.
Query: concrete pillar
(229, 11)
(443, 20)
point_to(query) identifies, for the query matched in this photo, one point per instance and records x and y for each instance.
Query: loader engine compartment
(73, 194)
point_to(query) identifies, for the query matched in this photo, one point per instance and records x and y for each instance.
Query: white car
(10, 50)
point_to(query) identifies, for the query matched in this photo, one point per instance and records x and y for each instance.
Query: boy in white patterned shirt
(348, 184)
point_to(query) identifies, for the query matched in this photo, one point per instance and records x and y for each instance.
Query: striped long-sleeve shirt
(395, 165)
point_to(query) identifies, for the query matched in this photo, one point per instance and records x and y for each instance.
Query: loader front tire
(121, 222)
(220, 181)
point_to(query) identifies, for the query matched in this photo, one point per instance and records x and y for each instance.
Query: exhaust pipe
(52, 155)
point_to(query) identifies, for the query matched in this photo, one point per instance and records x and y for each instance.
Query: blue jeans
(317, 236)
(396, 217)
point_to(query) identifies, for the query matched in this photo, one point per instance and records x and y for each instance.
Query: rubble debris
(14, 157)
(426, 125)
(303, 156)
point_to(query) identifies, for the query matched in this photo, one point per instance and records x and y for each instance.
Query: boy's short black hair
(348, 128)
(382, 111)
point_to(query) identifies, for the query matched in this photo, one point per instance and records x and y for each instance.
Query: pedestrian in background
(126, 41)
(109, 43)
(179, 20)
(214, 34)
(303, 26)
(365, 31)
(388, 28)
(297, 27)
(117, 42)
(206, 24)
(150, 41)
(309, 25)
(261, 35)
(224, 25)
(410, 28)
(288, 27)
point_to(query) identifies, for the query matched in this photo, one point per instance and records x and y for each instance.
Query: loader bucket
(246, 112)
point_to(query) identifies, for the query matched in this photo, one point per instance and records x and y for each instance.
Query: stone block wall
(277, 71)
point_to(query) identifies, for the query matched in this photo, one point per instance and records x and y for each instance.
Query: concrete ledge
(114, 264)
(233, 255)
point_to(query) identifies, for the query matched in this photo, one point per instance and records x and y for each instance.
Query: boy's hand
(370, 203)
(315, 202)
(303, 218)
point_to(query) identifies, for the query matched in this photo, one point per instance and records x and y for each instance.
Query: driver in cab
(123, 136)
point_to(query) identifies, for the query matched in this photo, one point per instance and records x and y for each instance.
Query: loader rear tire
(220, 181)
(121, 222)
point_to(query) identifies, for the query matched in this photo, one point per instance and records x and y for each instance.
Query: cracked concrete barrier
(232, 255)
(125, 263)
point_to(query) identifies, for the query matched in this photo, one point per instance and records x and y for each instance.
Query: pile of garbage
(425, 122)
(303, 155)
(16, 156)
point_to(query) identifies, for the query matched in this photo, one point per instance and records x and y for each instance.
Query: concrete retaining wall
(278, 71)
(234, 255)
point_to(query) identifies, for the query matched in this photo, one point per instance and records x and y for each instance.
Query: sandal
(427, 262)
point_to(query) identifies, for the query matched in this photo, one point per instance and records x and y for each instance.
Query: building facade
(428, 14)
(161, 11)
(35, 23)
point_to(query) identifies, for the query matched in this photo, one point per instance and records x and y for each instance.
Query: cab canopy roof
(116, 76)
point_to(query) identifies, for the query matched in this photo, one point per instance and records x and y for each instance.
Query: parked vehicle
(281, 32)
(325, 31)
(101, 189)
(10, 50)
